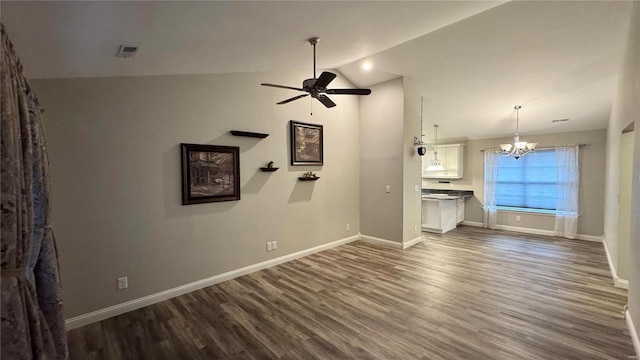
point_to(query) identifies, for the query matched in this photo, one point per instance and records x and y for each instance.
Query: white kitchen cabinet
(460, 210)
(438, 215)
(451, 156)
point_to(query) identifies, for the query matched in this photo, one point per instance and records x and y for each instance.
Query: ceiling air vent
(126, 51)
(560, 120)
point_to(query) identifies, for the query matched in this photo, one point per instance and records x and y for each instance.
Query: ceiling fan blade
(326, 101)
(324, 79)
(282, 86)
(349, 91)
(293, 98)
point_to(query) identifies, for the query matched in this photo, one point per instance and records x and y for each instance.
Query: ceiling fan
(317, 87)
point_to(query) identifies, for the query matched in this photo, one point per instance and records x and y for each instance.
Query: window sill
(526, 210)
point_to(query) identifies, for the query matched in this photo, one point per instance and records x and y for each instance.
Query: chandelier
(434, 164)
(518, 148)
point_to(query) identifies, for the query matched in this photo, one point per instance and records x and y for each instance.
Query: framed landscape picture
(306, 144)
(210, 173)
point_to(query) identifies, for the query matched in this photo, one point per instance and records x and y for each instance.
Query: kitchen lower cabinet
(460, 210)
(439, 215)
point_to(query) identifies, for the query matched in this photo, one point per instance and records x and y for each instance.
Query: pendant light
(518, 148)
(434, 164)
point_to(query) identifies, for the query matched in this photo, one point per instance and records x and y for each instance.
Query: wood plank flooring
(469, 294)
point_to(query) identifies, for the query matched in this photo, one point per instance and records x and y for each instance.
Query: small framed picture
(306, 144)
(210, 173)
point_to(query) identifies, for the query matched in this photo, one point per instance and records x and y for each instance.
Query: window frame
(523, 186)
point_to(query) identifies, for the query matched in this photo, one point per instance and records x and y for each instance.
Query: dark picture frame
(210, 173)
(306, 143)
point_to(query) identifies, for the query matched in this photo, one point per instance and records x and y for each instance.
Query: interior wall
(626, 109)
(592, 161)
(381, 161)
(114, 147)
(624, 209)
(412, 169)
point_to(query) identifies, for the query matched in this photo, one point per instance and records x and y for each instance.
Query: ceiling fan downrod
(314, 41)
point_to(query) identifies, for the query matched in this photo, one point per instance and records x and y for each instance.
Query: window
(528, 182)
(546, 181)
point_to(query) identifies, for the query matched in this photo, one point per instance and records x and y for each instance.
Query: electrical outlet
(123, 283)
(348, 227)
(415, 227)
(269, 246)
(274, 245)
(517, 217)
(416, 188)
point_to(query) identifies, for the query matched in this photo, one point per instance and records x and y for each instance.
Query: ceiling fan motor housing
(309, 86)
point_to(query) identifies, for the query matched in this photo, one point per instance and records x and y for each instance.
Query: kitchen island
(443, 211)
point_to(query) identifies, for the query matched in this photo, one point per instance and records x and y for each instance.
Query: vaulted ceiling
(472, 60)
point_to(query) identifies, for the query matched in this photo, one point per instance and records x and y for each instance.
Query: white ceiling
(472, 60)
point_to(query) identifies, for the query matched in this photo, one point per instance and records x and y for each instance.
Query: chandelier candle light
(434, 164)
(518, 148)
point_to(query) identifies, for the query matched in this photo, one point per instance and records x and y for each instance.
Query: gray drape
(31, 301)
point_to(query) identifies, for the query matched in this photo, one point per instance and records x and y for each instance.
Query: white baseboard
(472, 223)
(391, 243)
(589, 238)
(379, 241)
(533, 231)
(99, 315)
(634, 334)
(621, 283)
(617, 282)
(525, 230)
(412, 242)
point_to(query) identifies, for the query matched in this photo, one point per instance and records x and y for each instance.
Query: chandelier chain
(517, 107)
(518, 148)
(435, 148)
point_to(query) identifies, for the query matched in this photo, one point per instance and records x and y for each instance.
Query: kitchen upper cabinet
(451, 156)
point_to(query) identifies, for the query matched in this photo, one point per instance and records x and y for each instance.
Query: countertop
(442, 197)
(433, 194)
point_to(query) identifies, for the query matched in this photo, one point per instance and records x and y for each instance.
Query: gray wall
(626, 109)
(592, 163)
(412, 168)
(115, 158)
(624, 203)
(381, 161)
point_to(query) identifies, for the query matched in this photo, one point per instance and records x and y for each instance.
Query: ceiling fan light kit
(317, 86)
(518, 148)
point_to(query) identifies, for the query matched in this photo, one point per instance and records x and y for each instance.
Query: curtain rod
(542, 148)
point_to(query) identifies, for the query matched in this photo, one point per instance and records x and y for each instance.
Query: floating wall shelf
(269, 169)
(249, 134)
(308, 178)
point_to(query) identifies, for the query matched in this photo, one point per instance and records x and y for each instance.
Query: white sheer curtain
(568, 180)
(491, 166)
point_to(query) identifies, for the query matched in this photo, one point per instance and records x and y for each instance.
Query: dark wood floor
(469, 294)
